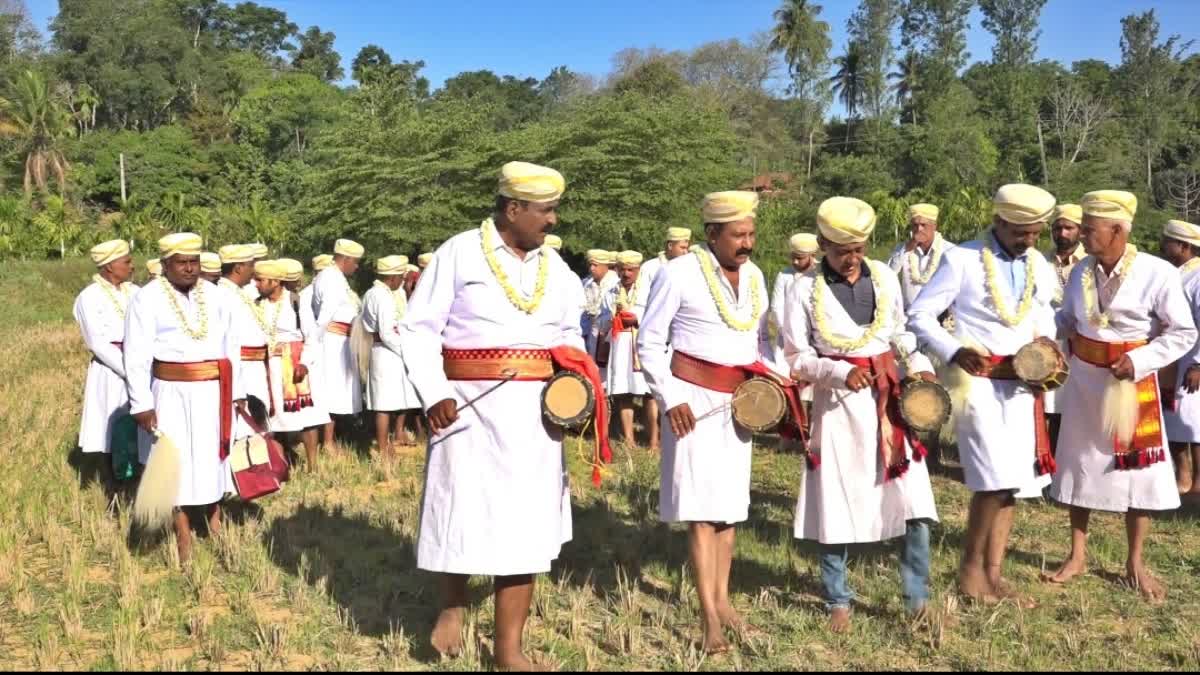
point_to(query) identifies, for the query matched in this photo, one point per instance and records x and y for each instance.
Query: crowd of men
(497, 306)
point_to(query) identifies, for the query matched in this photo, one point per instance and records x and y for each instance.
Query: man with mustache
(916, 260)
(1128, 317)
(1067, 253)
(621, 309)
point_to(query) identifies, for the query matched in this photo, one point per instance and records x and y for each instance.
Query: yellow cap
(259, 250)
(1113, 204)
(630, 258)
(926, 211)
(236, 253)
(154, 267)
(322, 261)
(530, 182)
(1071, 212)
(803, 242)
(270, 269)
(294, 269)
(392, 264)
(1022, 204)
(1183, 231)
(103, 254)
(412, 269)
(348, 248)
(210, 263)
(554, 241)
(846, 220)
(728, 207)
(679, 234)
(182, 243)
(424, 259)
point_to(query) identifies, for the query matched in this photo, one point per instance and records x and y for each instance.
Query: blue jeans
(914, 570)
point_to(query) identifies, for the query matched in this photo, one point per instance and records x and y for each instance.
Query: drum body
(924, 406)
(1041, 366)
(568, 400)
(759, 405)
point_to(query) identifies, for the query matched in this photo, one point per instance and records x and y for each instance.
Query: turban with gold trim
(1112, 204)
(182, 243)
(530, 182)
(390, 265)
(109, 251)
(348, 248)
(803, 242)
(1022, 204)
(728, 207)
(846, 220)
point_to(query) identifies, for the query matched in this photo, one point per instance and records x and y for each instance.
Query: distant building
(768, 184)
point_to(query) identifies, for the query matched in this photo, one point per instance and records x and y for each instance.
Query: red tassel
(897, 470)
(812, 460)
(596, 476)
(918, 448)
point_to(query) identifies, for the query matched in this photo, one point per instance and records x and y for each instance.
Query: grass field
(322, 575)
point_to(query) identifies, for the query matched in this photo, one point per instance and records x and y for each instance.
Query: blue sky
(529, 37)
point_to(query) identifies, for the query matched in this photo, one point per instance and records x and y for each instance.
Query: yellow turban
(679, 234)
(103, 254)
(294, 269)
(210, 263)
(630, 258)
(1185, 232)
(182, 243)
(350, 249)
(322, 261)
(926, 211)
(270, 269)
(236, 253)
(411, 269)
(1071, 212)
(424, 259)
(803, 243)
(260, 250)
(554, 241)
(154, 267)
(1113, 204)
(1022, 204)
(845, 220)
(392, 264)
(597, 255)
(728, 207)
(530, 182)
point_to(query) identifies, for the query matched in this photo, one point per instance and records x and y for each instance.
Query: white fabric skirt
(1183, 423)
(620, 377)
(996, 441)
(341, 385)
(388, 387)
(105, 399)
(497, 498)
(706, 475)
(189, 413)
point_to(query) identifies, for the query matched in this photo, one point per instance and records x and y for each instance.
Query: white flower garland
(1091, 299)
(488, 232)
(623, 298)
(821, 318)
(914, 263)
(999, 303)
(714, 289)
(111, 292)
(201, 330)
(399, 300)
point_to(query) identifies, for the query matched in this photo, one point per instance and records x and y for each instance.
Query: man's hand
(1191, 381)
(1123, 369)
(927, 377)
(443, 415)
(147, 420)
(683, 422)
(858, 379)
(910, 244)
(971, 361)
(299, 374)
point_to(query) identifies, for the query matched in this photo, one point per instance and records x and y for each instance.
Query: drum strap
(1147, 445)
(1001, 368)
(577, 361)
(893, 431)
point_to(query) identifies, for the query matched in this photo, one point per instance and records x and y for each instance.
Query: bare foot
(1147, 584)
(714, 638)
(1070, 569)
(839, 620)
(731, 619)
(447, 633)
(514, 663)
(973, 584)
(1005, 592)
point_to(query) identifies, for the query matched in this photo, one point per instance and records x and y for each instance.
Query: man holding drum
(622, 308)
(1000, 289)
(870, 483)
(1128, 317)
(495, 309)
(711, 307)
(1181, 404)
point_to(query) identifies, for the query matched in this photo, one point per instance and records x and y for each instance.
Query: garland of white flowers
(882, 305)
(997, 296)
(914, 264)
(110, 291)
(1189, 266)
(269, 328)
(714, 289)
(488, 232)
(1091, 299)
(201, 331)
(623, 301)
(399, 300)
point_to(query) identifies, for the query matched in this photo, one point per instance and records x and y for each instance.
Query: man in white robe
(237, 273)
(389, 390)
(678, 243)
(803, 247)
(100, 312)
(600, 279)
(622, 308)
(870, 483)
(336, 306)
(1180, 382)
(916, 260)
(1067, 252)
(494, 311)
(1128, 317)
(182, 364)
(296, 411)
(711, 307)
(1000, 290)
(210, 267)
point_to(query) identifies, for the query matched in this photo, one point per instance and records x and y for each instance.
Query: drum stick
(509, 374)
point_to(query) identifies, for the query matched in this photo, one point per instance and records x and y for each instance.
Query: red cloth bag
(260, 479)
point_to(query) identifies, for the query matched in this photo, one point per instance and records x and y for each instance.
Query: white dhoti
(996, 438)
(621, 378)
(189, 413)
(1183, 423)
(706, 474)
(254, 375)
(105, 400)
(846, 500)
(388, 386)
(341, 386)
(497, 500)
(1087, 475)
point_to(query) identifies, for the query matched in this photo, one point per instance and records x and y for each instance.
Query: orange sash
(220, 370)
(893, 430)
(339, 328)
(1148, 443)
(264, 355)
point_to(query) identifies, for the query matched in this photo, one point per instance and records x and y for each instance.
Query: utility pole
(122, 179)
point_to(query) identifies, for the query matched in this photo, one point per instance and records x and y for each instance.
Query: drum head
(568, 400)
(925, 406)
(759, 404)
(1036, 362)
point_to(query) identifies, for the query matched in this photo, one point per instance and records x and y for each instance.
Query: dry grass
(321, 576)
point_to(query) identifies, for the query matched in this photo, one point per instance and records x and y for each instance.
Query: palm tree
(804, 41)
(36, 119)
(905, 81)
(848, 82)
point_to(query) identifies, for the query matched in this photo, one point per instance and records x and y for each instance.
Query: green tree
(906, 80)
(316, 56)
(870, 27)
(370, 59)
(38, 122)
(847, 82)
(937, 30)
(283, 115)
(803, 39)
(952, 149)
